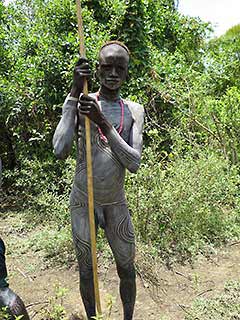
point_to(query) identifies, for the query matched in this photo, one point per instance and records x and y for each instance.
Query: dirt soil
(168, 297)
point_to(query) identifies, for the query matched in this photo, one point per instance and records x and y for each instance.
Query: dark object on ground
(8, 298)
(14, 304)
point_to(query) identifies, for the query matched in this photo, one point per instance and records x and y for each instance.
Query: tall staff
(89, 168)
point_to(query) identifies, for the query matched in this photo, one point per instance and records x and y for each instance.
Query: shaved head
(119, 43)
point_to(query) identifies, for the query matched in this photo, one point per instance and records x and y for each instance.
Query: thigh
(81, 235)
(120, 234)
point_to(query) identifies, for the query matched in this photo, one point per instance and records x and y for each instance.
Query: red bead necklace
(102, 136)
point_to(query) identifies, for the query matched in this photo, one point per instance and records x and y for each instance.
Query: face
(113, 66)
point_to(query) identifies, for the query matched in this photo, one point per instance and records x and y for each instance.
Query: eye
(120, 68)
(106, 67)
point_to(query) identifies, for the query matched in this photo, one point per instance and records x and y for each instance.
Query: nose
(114, 72)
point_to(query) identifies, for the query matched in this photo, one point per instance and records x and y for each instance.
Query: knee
(86, 273)
(126, 271)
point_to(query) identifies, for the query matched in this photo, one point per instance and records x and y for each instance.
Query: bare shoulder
(136, 109)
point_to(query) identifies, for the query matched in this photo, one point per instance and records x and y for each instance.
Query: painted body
(109, 158)
(116, 138)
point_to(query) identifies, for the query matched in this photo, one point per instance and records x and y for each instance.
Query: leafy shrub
(41, 188)
(52, 244)
(224, 307)
(186, 206)
(56, 244)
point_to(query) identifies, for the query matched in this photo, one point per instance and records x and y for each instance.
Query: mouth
(112, 80)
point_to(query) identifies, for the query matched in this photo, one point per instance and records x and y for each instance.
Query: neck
(109, 94)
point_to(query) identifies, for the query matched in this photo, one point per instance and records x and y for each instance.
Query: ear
(97, 69)
(127, 76)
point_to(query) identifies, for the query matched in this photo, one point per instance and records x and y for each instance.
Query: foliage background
(185, 197)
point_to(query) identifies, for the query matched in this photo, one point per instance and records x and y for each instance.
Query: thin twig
(211, 259)
(36, 304)
(206, 129)
(36, 312)
(183, 275)
(221, 138)
(234, 243)
(25, 275)
(201, 293)
(183, 307)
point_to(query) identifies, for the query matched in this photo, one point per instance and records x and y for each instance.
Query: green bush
(224, 307)
(52, 245)
(41, 186)
(191, 203)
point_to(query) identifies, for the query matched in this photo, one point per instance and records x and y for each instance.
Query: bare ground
(167, 296)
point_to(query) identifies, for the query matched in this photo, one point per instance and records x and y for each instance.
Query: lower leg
(87, 294)
(127, 290)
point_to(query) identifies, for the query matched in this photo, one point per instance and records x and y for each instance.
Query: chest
(118, 114)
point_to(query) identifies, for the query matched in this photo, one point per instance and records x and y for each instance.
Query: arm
(64, 133)
(128, 154)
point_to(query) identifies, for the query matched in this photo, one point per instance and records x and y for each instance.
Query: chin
(113, 87)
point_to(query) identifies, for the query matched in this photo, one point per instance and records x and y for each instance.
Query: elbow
(134, 163)
(60, 152)
(62, 144)
(60, 155)
(133, 168)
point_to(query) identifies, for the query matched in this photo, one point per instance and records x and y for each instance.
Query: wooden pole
(89, 169)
